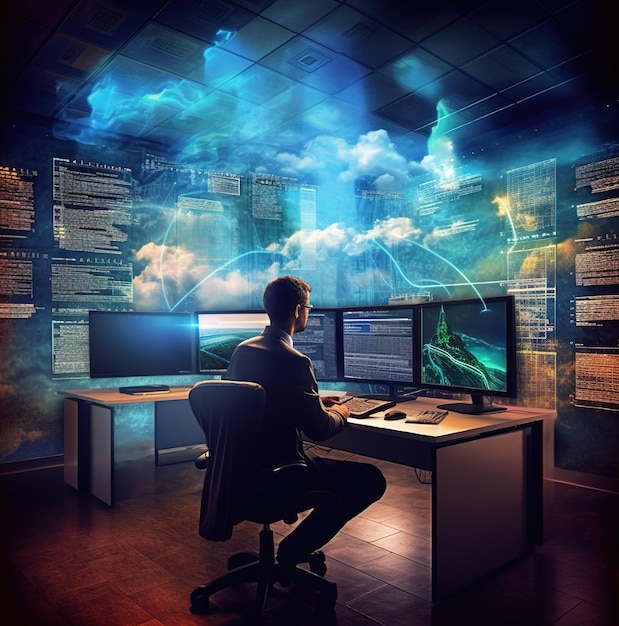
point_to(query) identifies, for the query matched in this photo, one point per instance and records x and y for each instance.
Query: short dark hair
(283, 294)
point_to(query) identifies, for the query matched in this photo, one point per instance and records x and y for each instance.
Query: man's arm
(313, 418)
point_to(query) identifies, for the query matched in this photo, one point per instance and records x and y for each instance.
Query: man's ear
(296, 311)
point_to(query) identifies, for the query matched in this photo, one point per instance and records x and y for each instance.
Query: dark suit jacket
(293, 404)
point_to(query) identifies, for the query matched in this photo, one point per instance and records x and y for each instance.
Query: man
(293, 406)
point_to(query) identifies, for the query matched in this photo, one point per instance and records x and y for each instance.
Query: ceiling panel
(415, 69)
(501, 68)
(412, 112)
(296, 99)
(297, 16)
(522, 16)
(306, 61)
(456, 89)
(373, 91)
(104, 25)
(167, 49)
(287, 70)
(204, 19)
(549, 44)
(460, 42)
(349, 32)
(257, 39)
(415, 20)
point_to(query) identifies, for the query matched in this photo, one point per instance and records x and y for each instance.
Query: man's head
(287, 298)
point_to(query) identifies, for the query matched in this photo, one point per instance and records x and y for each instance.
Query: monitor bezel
(337, 345)
(511, 379)
(379, 381)
(239, 312)
(314, 311)
(158, 367)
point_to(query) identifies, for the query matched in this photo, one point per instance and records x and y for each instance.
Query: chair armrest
(284, 478)
(202, 461)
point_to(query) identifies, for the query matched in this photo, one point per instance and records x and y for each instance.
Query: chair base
(249, 567)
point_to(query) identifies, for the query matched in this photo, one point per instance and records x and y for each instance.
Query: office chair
(230, 414)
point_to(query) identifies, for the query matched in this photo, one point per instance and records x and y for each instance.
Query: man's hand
(330, 400)
(341, 410)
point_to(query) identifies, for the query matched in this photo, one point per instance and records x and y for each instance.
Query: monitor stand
(478, 406)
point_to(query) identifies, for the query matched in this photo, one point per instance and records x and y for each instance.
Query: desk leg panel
(102, 453)
(71, 442)
(537, 491)
(479, 509)
(76, 415)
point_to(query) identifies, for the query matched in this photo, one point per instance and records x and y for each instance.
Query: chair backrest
(230, 414)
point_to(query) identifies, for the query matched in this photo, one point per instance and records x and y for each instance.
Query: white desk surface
(111, 396)
(452, 427)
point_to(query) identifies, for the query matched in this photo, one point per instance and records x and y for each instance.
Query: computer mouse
(394, 414)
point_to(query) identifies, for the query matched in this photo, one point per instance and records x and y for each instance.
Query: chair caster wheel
(317, 563)
(199, 601)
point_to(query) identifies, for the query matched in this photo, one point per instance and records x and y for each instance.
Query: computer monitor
(220, 332)
(468, 346)
(319, 341)
(132, 343)
(377, 344)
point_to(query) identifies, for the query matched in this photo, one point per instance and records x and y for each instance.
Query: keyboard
(143, 390)
(426, 417)
(360, 407)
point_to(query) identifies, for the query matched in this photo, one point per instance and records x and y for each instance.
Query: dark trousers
(356, 485)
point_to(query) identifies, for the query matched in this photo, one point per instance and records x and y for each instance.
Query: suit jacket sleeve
(314, 419)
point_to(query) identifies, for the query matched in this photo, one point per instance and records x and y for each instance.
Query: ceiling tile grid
(493, 64)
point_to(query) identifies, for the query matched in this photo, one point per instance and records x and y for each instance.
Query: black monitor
(131, 343)
(319, 341)
(377, 344)
(468, 346)
(220, 332)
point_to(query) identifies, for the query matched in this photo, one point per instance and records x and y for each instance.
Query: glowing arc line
(468, 282)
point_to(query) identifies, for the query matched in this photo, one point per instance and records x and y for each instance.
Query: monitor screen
(377, 344)
(220, 332)
(131, 343)
(319, 342)
(468, 346)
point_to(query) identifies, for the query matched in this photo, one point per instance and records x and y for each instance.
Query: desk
(488, 495)
(89, 445)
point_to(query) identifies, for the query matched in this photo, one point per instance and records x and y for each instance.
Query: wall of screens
(459, 346)
(453, 346)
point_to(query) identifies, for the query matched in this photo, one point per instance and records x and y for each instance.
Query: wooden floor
(68, 559)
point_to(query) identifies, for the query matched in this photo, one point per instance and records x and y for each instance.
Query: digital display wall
(116, 225)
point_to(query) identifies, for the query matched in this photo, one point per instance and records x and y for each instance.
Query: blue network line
(505, 206)
(395, 262)
(218, 269)
(165, 237)
(401, 272)
(215, 271)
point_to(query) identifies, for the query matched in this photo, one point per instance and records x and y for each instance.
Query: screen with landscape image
(465, 345)
(221, 332)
